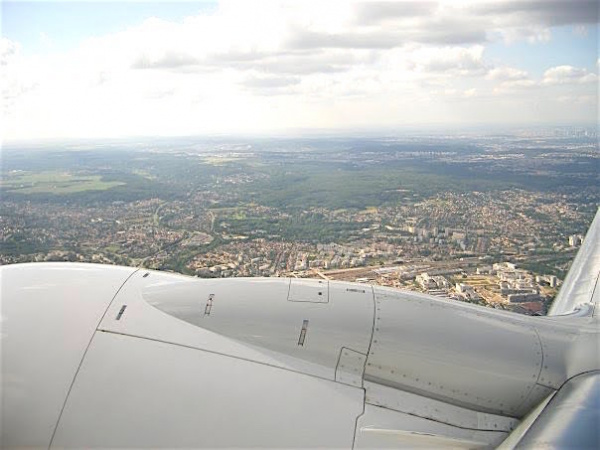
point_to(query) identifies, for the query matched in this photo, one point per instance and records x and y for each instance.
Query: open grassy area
(55, 182)
(219, 160)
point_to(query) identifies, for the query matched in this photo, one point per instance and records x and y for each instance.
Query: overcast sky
(113, 69)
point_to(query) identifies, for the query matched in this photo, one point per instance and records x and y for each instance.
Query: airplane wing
(580, 289)
(102, 356)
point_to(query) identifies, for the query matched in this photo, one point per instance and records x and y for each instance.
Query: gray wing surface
(580, 289)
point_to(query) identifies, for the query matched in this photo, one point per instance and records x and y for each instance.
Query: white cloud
(579, 99)
(506, 74)
(519, 84)
(533, 35)
(8, 50)
(454, 94)
(251, 66)
(458, 60)
(538, 12)
(510, 79)
(580, 30)
(514, 86)
(568, 75)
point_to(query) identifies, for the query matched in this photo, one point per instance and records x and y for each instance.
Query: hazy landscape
(375, 209)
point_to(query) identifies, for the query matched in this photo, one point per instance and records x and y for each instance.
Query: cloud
(270, 82)
(457, 60)
(17, 80)
(512, 86)
(541, 12)
(13, 89)
(510, 80)
(579, 99)
(568, 75)
(531, 20)
(169, 60)
(387, 25)
(306, 39)
(298, 62)
(375, 12)
(453, 94)
(449, 32)
(581, 30)
(530, 34)
(273, 64)
(324, 63)
(506, 74)
(443, 34)
(449, 22)
(311, 37)
(8, 50)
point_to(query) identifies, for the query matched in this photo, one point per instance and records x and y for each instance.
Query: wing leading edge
(579, 291)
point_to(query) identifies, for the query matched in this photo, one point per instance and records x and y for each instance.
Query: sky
(85, 69)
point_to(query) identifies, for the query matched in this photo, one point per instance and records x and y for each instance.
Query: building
(575, 240)
(524, 297)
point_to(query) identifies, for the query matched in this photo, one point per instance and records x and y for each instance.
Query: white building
(575, 240)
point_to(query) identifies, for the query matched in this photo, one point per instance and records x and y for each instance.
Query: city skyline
(117, 69)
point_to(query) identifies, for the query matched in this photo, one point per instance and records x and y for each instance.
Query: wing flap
(569, 420)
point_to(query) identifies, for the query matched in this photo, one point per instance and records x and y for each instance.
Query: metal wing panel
(140, 319)
(435, 410)
(581, 283)
(135, 393)
(475, 358)
(382, 428)
(257, 313)
(49, 314)
(570, 419)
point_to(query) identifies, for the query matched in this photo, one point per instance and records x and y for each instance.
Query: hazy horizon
(399, 131)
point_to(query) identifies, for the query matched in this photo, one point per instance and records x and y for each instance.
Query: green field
(55, 182)
(219, 160)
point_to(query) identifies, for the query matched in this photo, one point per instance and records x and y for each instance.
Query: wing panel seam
(62, 409)
(365, 368)
(213, 352)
